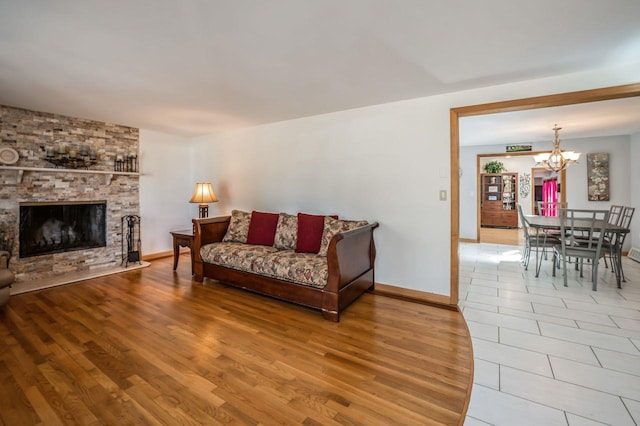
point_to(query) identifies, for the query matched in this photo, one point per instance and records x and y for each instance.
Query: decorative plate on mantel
(8, 155)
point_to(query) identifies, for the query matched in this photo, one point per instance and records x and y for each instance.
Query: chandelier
(557, 160)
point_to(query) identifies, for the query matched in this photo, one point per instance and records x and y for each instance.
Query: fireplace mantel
(108, 175)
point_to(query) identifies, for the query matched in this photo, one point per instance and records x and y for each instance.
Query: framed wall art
(525, 185)
(598, 176)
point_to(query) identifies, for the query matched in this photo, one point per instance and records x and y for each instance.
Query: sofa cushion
(238, 227)
(309, 234)
(286, 232)
(335, 226)
(301, 268)
(262, 228)
(234, 255)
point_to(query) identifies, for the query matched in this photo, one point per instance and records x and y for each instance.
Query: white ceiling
(605, 118)
(198, 66)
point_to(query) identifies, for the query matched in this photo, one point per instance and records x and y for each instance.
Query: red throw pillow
(262, 228)
(310, 227)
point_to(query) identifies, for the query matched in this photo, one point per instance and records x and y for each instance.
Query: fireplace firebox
(56, 227)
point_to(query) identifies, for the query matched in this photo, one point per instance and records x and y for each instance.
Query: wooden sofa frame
(350, 258)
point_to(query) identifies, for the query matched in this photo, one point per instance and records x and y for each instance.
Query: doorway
(547, 187)
(521, 164)
(562, 99)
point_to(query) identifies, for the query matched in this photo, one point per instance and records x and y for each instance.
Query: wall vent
(634, 254)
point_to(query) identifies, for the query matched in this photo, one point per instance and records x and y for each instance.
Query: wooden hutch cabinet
(499, 195)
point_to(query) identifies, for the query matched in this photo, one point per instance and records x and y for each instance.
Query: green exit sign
(518, 148)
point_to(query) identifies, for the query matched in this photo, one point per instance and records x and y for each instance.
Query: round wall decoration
(8, 155)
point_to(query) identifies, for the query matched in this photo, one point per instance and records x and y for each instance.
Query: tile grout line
(627, 408)
(553, 374)
(596, 355)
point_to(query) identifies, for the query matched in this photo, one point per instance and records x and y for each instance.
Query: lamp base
(203, 211)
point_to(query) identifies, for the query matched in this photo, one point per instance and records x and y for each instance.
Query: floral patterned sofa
(316, 261)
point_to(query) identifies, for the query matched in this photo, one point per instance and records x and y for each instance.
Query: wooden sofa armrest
(206, 231)
(4, 259)
(350, 254)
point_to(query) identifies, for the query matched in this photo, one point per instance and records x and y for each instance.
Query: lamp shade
(203, 194)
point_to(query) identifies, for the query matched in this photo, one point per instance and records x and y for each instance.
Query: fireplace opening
(56, 227)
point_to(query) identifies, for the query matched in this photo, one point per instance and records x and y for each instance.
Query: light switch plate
(443, 195)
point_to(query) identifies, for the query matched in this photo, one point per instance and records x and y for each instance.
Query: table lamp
(203, 195)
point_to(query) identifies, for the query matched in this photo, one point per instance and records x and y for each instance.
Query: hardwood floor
(150, 347)
(512, 236)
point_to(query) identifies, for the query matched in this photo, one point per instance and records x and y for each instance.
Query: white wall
(166, 184)
(618, 148)
(358, 164)
(634, 166)
(384, 163)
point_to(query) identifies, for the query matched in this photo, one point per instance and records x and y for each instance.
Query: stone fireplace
(74, 244)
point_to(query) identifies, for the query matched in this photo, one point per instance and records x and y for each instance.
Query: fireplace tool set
(130, 231)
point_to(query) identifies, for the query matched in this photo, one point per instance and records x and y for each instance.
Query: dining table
(552, 223)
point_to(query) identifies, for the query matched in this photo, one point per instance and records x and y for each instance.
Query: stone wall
(31, 133)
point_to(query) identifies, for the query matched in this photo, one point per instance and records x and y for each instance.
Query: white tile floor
(545, 354)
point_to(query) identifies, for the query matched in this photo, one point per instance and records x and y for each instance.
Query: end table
(184, 239)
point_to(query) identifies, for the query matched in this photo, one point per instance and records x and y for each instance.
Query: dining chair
(613, 243)
(534, 240)
(615, 213)
(590, 225)
(545, 207)
(552, 207)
